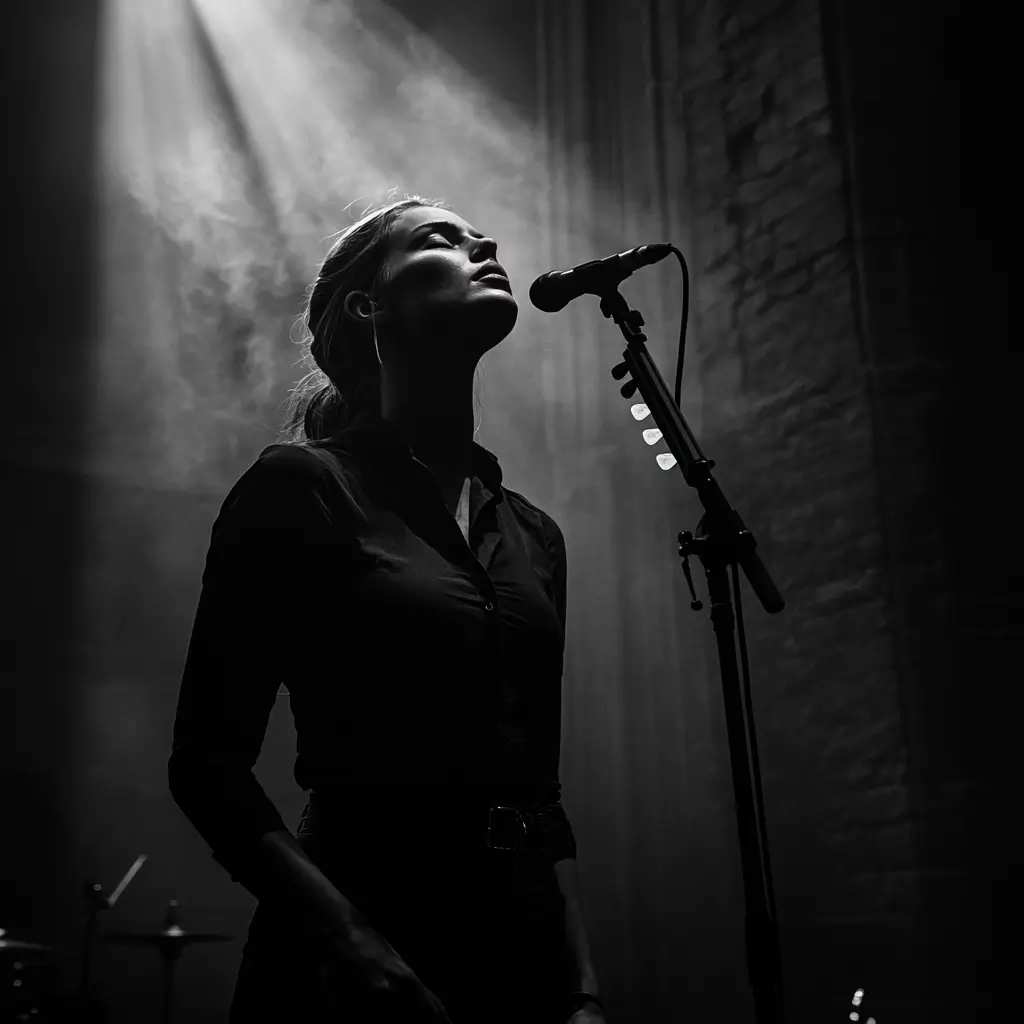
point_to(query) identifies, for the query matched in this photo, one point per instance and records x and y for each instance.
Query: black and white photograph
(508, 513)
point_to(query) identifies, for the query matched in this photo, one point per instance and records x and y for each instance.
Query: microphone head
(547, 294)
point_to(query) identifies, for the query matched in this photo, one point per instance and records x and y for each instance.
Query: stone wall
(788, 416)
(836, 177)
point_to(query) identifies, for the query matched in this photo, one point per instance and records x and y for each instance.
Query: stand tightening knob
(687, 547)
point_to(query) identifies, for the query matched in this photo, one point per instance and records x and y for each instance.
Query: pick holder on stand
(722, 543)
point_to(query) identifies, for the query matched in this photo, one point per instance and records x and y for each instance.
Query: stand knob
(687, 548)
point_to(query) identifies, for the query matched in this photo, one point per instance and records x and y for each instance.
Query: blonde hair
(342, 383)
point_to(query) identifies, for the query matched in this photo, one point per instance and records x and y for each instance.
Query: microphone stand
(722, 544)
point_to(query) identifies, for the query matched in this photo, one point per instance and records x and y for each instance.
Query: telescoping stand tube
(723, 543)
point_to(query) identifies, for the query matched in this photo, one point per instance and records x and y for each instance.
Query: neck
(435, 416)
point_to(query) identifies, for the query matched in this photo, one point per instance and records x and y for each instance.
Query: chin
(501, 327)
(492, 320)
(483, 321)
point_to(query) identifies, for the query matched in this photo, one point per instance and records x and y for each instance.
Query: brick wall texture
(824, 168)
(788, 415)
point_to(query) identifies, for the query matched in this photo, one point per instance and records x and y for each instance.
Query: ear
(359, 306)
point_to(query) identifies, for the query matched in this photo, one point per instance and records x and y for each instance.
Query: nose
(485, 249)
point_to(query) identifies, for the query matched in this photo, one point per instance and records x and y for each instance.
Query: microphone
(550, 292)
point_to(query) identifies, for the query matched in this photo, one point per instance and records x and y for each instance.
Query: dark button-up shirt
(412, 657)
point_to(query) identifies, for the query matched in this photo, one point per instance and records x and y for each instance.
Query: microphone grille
(546, 296)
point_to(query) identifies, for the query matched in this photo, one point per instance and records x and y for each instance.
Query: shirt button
(489, 607)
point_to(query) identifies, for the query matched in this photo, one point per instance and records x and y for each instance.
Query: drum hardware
(11, 946)
(96, 902)
(27, 977)
(170, 942)
(30, 990)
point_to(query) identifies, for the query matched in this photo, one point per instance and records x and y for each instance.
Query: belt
(509, 828)
(413, 817)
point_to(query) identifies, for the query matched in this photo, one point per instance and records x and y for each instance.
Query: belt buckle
(506, 828)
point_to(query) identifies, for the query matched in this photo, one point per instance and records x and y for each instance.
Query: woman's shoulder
(290, 474)
(533, 514)
(287, 502)
(295, 457)
(297, 463)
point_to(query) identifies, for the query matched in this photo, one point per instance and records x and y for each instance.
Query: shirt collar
(381, 439)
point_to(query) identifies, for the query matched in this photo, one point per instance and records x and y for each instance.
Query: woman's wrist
(291, 882)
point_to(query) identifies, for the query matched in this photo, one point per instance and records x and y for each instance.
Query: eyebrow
(440, 224)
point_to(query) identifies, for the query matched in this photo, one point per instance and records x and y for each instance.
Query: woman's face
(436, 288)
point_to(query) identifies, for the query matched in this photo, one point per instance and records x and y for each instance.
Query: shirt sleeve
(552, 822)
(555, 542)
(253, 588)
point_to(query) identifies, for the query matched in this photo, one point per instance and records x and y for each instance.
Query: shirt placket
(492, 697)
(480, 575)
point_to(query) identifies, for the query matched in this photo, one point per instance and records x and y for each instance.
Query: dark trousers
(483, 929)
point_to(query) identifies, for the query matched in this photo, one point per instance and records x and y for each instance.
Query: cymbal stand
(91, 1009)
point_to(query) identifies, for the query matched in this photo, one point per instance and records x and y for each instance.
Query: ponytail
(342, 383)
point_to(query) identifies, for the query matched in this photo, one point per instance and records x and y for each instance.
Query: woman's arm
(274, 544)
(218, 732)
(276, 869)
(273, 527)
(584, 976)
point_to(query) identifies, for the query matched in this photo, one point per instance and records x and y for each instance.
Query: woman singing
(414, 608)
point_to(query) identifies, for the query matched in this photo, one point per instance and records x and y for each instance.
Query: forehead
(408, 221)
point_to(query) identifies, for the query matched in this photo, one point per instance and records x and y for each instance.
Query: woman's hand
(383, 986)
